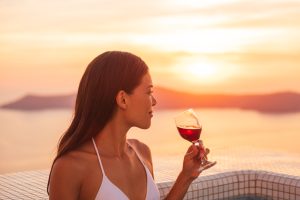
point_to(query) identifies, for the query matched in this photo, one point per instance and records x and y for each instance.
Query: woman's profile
(95, 160)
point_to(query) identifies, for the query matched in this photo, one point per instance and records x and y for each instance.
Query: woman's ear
(121, 99)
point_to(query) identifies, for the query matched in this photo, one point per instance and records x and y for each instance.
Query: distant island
(283, 102)
(37, 102)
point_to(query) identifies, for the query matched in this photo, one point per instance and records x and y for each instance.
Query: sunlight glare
(203, 71)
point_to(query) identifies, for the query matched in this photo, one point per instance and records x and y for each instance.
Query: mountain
(281, 102)
(169, 99)
(36, 102)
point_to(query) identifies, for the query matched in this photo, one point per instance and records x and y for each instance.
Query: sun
(198, 72)
(203, 71)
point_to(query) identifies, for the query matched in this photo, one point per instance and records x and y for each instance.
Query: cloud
(247, 14)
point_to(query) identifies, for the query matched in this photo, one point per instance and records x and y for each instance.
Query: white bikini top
(109, 191)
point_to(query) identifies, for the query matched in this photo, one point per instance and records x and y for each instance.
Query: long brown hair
(103, 78)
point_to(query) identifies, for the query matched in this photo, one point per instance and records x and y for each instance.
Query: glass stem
(196, 142)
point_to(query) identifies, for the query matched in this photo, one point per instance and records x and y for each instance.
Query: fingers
(206, 153)
(200, 142)
(198, 152)
(192, 151)
(207, 165)
(203, 152)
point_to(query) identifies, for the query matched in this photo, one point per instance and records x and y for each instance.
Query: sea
(237, 139)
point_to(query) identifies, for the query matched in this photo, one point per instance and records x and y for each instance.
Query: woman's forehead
(147, 80)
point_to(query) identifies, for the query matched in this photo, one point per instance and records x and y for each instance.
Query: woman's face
(141, 101)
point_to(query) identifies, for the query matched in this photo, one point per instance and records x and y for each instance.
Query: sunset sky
(225, 46)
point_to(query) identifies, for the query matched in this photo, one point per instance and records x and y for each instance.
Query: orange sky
(230, 46)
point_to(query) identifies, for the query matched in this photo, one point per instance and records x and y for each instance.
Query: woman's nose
(154, 102)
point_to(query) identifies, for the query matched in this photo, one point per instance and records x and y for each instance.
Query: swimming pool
(250, 197)
(241, 185)
(234, 185)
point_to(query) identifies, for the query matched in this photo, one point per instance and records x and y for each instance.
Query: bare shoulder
(143, 151)
(67, 175)
(69, 164)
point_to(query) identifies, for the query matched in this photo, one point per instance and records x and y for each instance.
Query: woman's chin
(145, 126)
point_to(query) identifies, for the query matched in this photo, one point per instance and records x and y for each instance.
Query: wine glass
(189, 128)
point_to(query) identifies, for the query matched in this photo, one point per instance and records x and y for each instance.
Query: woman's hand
(195, 161)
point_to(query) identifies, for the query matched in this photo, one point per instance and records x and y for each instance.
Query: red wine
(190, 133)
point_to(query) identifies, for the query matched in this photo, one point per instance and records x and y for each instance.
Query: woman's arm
(191, 169)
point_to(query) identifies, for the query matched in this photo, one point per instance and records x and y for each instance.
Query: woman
(94, 158)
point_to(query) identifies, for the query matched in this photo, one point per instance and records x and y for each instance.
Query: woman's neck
(111, 141)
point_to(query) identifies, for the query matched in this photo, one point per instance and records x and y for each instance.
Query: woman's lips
(151, 113)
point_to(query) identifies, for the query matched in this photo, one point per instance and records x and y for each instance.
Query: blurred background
(237, 63)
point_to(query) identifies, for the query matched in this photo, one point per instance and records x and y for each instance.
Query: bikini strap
(98, 155)
(138, 155)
